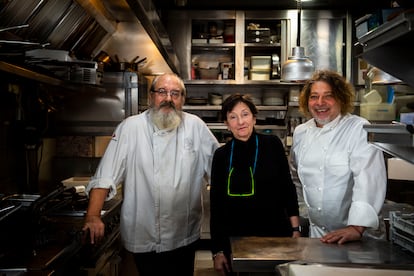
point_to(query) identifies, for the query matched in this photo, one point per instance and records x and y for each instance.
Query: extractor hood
(389, 47)
(125, 28)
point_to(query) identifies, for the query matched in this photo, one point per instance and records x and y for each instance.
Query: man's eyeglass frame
(174, 94)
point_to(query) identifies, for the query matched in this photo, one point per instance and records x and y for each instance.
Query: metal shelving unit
(389, 47)
(394, 139)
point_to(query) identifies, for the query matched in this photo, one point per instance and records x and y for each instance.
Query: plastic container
(260, 62)
(378, 112)
(373, 97)
(260, 74)
(76, 181)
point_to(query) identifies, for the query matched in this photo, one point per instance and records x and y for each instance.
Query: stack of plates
(272, 97)
(256, 99)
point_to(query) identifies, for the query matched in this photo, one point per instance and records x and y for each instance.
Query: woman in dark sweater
(252, 193)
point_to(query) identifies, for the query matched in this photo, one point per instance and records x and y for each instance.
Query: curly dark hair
(230, 102)
(342, 91)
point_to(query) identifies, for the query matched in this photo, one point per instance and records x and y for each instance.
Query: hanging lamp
(298, 67)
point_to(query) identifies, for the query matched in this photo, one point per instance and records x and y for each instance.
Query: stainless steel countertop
(263, 254)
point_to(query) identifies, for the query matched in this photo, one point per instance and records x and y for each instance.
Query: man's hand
(96, 228)
(343, 235)
(221, 265)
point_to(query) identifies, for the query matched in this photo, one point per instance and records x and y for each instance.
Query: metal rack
(389, 47)
(394, 139)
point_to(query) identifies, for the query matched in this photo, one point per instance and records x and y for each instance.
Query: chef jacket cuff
(104, 183)
(363, 214)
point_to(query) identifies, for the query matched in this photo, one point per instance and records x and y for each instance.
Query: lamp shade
(298, 67)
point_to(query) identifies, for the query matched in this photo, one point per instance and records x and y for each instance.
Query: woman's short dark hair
(342, 91)
(234, 99)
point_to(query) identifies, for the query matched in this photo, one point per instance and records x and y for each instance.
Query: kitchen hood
(389, 47)
(122, 28)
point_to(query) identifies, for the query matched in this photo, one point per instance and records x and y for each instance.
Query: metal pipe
(14, 27)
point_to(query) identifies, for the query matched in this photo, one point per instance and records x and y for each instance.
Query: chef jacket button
(323, 228)
(320, 168)
(319, 189)
(319, 209)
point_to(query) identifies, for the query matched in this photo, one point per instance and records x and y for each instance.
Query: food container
(209, 74)
(260, 62)
(76, 181)
(260, 74)
(378, 112)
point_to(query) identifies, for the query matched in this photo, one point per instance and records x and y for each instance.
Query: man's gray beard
(163, 120)
(322, 122)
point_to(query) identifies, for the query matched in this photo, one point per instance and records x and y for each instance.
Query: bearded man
(162, 158)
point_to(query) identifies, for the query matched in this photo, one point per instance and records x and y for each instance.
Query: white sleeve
(370, 181)
(111, 169)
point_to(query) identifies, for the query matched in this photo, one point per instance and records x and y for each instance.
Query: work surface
(255, 254)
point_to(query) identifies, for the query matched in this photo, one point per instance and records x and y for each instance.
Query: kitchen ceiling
(117, 26)
(355, 5)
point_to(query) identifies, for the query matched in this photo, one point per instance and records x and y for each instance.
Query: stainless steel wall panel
(324, 35)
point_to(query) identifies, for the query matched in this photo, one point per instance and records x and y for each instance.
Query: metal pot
(298, 67)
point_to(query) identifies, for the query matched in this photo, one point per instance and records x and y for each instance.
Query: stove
(44, 235)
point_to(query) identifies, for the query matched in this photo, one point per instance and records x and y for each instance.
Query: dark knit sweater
(267, 212)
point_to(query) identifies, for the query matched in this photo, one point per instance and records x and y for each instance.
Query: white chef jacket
(163, 172)
(342, 176)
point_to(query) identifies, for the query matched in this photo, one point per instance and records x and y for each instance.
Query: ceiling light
(298, 67)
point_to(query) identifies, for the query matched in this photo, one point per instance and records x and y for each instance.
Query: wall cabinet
(237, 46)
(226, 52)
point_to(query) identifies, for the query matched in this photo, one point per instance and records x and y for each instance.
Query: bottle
(289, 132)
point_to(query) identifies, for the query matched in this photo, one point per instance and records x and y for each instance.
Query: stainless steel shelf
(222, 126)
(394, 139)
(403, 152)
(389, 47)
(244, 82)
(218, 107)
(29, 74)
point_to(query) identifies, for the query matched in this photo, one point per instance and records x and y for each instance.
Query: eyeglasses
(175, 94)
(234, 191)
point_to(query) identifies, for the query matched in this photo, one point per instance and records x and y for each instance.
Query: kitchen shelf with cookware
(242, 49)
(239, 52)
(383, 47)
